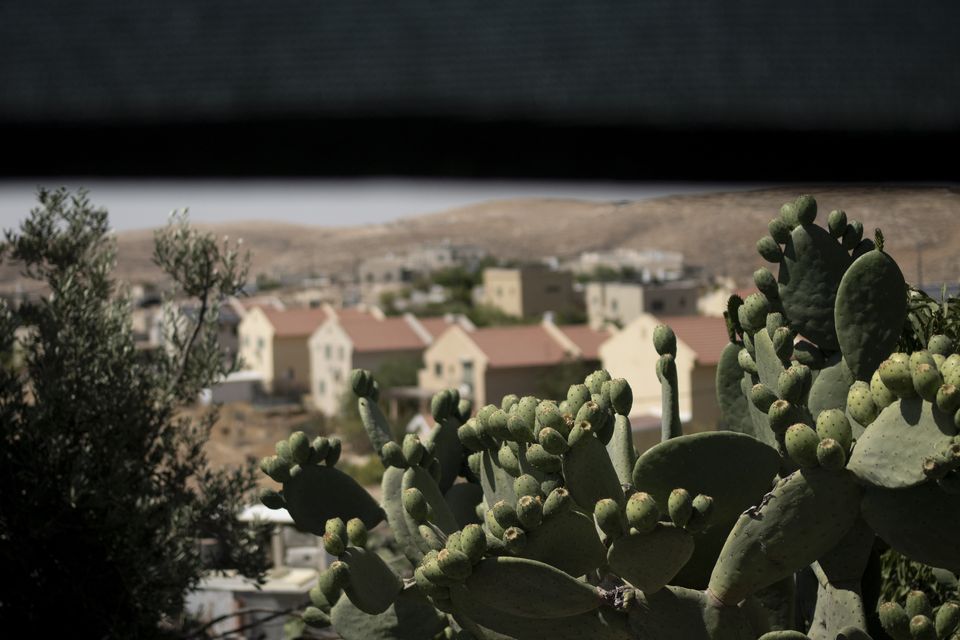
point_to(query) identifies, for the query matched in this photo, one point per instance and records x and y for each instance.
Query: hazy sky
(137, 204)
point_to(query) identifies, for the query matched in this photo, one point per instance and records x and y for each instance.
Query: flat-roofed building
(529, 291)
(620, 302)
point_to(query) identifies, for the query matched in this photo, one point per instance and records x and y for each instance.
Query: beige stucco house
(529, 291)
(273, 342)
(492, 362)
(365, 339)
(621, 302)
(630, 354)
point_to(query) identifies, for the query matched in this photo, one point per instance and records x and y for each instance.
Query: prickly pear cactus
(537, 518)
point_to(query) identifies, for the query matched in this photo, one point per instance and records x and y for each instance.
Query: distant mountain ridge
(718, 231)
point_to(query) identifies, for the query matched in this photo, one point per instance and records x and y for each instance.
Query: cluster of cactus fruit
(538, 519)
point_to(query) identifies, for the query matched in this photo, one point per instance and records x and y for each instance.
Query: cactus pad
(870, 310)
(805, 516)
(318, 493)
(892, 451)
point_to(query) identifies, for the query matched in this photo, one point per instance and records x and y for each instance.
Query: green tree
(105, 490)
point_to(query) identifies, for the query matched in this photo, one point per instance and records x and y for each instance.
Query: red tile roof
(389, 334)
(352, 313)
(294, 323)
(586, 338)
(435, 326)
(707, 336)
(518, 346)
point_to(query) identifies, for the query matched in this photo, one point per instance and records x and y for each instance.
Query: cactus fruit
(610, 518)
(947, 619)
(680, 507)
(808, 354)
(415, 504)
(700, 519)
(832, 423)
(782, 414)
(621, 396)
(664, 340)
(895, 375)
(895, 621)
(922, 628)
(860, 403)
(272, 499)
(361, 381)
(314, 617)
(926, 381)
(837, 223)
(779, 230)
(642, 512)
(830, 454)
(767, 247)
(765, 282)
(762, 397)
(801, 443)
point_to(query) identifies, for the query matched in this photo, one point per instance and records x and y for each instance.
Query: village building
(366, 339)
(273, 342)
(620, 302)
(492, 362)
(630, 354)
(529, 291)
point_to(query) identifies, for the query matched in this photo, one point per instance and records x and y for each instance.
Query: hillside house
(355, 339)
(630, 354)
(273, 342)
(492, 362)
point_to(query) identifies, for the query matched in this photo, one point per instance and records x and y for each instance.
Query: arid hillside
(716, 230)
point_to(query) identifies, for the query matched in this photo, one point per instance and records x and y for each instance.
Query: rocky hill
(716, 230)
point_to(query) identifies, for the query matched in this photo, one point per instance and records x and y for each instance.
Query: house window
(246, 341)
(656, 305)
(438, 369)
(326, 352)
(336, 375)
(290, 373)
(340, 352)
(683, 302)
(613, 305)
(260, 343)
(468, 373)
(322, 388)
(552, 288)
